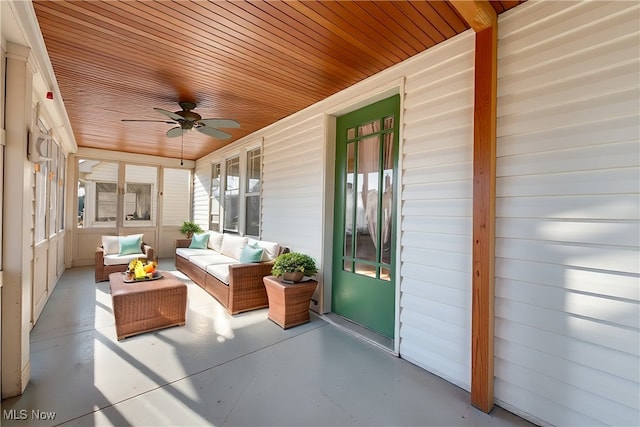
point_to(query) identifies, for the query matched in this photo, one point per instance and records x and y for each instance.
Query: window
(236, 191)
(119, 195)
(53, 189)
(42, 200)
(231, 195)
(62, 161)
(214, 221)
(97, 193)
(252, 193)
(49, 191)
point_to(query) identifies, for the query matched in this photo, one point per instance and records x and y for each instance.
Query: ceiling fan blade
(155, 121)
(216, 133)
(174, 132)
(169, 114)
(220, 123)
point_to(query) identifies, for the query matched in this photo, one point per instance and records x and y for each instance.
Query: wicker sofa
(238, 286)
(108, 260)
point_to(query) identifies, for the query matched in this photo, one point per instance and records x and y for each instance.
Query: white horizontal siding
(201, 189)
(292, 191)
(102, 172)
(568, 204)
(175, 200)
(435, 303)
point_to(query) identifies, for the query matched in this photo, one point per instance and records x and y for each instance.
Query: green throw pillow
(199, 241)
(251, 254)
(130, 244)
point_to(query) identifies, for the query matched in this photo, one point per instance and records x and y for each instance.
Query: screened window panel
(97, 193)
(140, 201)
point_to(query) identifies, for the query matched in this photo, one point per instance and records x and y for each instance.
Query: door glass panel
(369, 128)
(367, 201)
(387, 199)
(388, 122)
(350, 202)
(368, 198)
(351, 133)
(365, 270)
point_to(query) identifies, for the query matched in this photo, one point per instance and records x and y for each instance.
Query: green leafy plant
(189, 227)
(292, 262)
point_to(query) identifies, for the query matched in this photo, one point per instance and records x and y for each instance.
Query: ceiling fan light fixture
(189, 115)
(186, 119)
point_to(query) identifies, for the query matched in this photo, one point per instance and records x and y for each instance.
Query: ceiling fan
(186, 119)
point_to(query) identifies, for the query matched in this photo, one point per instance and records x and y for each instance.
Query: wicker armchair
(102, 271)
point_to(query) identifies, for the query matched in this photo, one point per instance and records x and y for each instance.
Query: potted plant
(189, 227)
(293, 266)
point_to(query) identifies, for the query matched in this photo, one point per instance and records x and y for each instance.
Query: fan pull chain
(182, 148)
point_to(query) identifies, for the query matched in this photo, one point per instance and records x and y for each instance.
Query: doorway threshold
(361, 332)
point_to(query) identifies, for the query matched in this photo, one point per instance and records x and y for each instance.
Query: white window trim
(241, 153)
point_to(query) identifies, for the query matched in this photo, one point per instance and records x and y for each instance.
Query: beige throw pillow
(215, 240)
(233, 245)
(111, 245)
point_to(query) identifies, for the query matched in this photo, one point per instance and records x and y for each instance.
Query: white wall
(292, 195)
(436, 209)
(201, 190)
(567, 290)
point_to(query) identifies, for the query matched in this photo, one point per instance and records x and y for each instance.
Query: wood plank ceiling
(252, 61)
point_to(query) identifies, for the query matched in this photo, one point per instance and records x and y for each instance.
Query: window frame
(242, 156)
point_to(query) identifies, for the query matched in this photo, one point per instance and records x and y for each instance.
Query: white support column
(17, 224)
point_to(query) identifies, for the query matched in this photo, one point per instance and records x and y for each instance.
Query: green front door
(364, 242)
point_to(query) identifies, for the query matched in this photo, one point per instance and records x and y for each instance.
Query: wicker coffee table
(145, 306)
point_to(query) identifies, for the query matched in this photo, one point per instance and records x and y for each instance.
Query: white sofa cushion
(215, 240)
(203, 261)
(270, 249)
(220, 272)
(116, 259)
(233, 245)
(189, 252)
